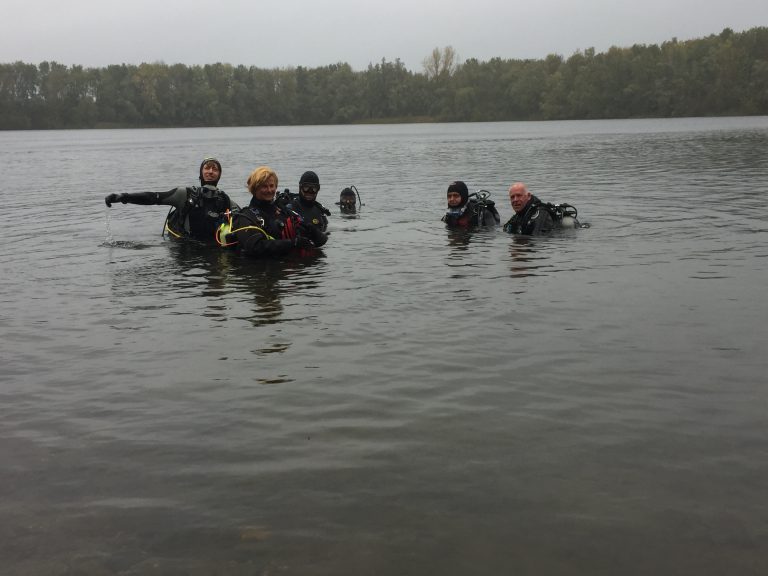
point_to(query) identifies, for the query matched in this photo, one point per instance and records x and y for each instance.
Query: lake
(410, 401)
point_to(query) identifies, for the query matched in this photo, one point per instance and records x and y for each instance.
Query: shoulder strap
(323, 209)
(193, 199)
(177, 217)
(252, 215)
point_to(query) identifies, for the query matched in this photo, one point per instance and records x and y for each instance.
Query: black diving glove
(108, 200)
(301, 242)
(311, 232)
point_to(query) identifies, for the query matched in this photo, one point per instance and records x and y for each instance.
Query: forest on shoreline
(722, 74)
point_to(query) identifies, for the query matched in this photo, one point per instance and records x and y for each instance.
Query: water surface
(411, 401)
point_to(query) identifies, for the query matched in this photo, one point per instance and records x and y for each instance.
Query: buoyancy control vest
(200, 216)
(313, 213)
(529, 221)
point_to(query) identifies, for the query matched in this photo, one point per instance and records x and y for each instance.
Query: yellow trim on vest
(175, 234)
(225, 228)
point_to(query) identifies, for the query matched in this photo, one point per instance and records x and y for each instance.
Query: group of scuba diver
(271, 225)
(278, 224)
(531, 217)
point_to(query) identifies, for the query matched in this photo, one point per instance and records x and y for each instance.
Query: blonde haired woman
(262, 229)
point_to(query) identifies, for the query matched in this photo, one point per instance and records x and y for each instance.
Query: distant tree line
(723, 74)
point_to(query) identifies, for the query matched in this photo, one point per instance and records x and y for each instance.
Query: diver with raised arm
(196, 211)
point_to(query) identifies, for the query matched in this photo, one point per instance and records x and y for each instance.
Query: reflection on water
(458, 239)
(528, 256)
(411, 399)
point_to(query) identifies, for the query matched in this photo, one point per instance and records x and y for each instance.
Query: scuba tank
(563, 215)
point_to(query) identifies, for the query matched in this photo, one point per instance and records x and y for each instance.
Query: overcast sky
(310, 33)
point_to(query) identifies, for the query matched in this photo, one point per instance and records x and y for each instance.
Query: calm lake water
(410, 401)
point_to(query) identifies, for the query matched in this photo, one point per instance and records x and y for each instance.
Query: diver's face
(348, 204)
(309, 191)
(518, 197)
(454, 199)
(266, 191)
(211, 172)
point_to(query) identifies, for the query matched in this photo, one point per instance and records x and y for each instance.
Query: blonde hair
(259, 177)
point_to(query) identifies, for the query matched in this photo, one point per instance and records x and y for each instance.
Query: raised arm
(175, 197)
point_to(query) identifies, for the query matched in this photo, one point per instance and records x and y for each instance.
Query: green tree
(725, 73)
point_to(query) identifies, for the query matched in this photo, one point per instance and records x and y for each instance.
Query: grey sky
(281, 33)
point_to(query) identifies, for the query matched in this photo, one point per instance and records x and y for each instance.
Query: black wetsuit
(312, 212)
(532, 220)
(197, 211)
(264, 230)
(472, 214)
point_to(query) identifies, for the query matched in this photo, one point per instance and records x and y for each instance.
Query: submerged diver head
(458, 194)
(210, 171)
(348, 201)
(309, 186)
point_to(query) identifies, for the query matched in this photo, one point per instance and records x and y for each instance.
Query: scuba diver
(196, 211)
(264, 228)
(348, 200)
(305, 202)
(468, 212)
(533, 217)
